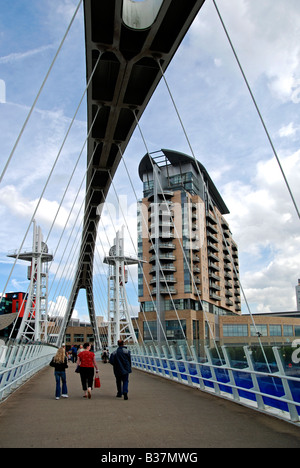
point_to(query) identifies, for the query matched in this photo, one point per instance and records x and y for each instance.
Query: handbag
(97, 382)
(77, 370)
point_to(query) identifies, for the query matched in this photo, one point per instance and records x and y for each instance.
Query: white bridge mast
(119, 319)
(35, 320)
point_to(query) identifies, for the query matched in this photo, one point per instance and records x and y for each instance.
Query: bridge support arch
(122, 84)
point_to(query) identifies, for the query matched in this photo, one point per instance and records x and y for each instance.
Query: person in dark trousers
(60, 364)
(87, 363)
(121, 362)
(74, 353)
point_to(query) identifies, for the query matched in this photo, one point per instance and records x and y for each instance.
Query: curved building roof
(7, 319)
(176, 158)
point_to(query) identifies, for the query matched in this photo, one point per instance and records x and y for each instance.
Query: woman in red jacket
(87, 363)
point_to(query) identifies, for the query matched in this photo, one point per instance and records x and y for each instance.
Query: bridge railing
(19, 362)
(272, 391)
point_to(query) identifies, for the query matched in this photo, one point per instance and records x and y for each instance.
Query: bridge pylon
(119, 318)
(34, 325)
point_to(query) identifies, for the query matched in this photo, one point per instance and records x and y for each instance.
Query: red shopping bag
(97, 382)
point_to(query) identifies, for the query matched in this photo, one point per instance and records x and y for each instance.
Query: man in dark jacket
(121, 362)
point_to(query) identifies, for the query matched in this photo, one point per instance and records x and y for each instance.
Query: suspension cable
(209, 197)
(50, 175)
(257, 109)
(183, 252)
(39, 92)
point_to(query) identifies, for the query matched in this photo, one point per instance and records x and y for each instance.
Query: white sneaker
(57, 398)
(65, 396)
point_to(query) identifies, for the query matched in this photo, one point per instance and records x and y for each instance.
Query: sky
(220, 119)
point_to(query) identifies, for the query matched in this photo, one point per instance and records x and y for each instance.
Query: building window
(297, 330)
(78, 338)
(261, 329)
(68, 338)
(176, 330)
(275, 330)
(288, 330)
(150, 331)
(195, 330)
(148, 306)
(235, 330)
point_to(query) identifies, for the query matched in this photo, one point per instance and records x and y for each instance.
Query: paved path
(158, 414)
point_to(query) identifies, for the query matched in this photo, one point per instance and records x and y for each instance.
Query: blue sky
(218, 114)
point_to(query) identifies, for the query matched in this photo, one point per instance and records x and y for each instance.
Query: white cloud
(58, 308)
(265, 36)
(266, 227)
(22, 207)
(289, 130)
(17, 56)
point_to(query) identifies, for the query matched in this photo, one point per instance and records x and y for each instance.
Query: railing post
(288, 394)
(212, 370)
(187, 370)
(259, 398)
(176, 363)
(235, 392)
(153, 357)
(198, 368)
(165, 351)
(158, 352)
(145, 358)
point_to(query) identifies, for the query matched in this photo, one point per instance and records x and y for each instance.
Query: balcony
(213, 266)
(162, 195)
(211, 227)
(171, 290)
(214, 286)
(212, 237)
(167, 267)
(164, 246)
(214, 296)
(213, 256)
(214, 276)
(212, 246)
(162, 257)
(211, 218)
(164, 291)
(164, 280)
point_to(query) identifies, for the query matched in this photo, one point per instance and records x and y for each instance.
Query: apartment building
(190, 258)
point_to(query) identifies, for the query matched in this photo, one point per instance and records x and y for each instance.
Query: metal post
(288, 394)
(259, 398)
(212, 370)
(231, 375)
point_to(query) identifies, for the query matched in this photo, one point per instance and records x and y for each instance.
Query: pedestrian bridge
(159, 414)
(175, 400)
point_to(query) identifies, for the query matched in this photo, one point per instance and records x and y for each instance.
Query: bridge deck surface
(158, 414)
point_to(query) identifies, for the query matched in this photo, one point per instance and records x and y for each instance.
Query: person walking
(60, 364)
(87, 363)
(74, 353)
(121, 362)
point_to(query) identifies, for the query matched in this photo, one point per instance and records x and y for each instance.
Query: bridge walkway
(158, 414)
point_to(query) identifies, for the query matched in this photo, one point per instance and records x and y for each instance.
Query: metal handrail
(153, 361)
